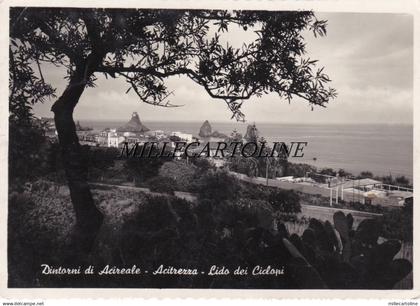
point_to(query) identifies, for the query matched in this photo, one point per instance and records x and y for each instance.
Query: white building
(159, 134)
(113, 139)
(184, 136)
(129, 134)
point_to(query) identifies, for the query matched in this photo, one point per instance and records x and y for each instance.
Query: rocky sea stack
(82, 128)
(134, 125)
(206, 131)
(251, 133)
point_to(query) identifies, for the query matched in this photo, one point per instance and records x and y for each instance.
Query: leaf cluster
(146, 46)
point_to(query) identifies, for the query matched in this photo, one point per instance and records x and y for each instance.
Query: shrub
(365, 174)
(39, 226)
(202, 163)
(25, 163)
(286, 201)
(298, 170)
(334, 255)
(162, 184)
(174, 232)
(219, 185)
(398, 222)
(144, 168)
(253, 191)
(182, 173)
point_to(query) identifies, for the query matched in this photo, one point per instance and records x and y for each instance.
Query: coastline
(382, 149)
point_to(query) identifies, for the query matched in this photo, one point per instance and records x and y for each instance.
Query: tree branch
(58, 43)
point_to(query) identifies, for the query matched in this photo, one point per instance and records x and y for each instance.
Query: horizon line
(250, 122)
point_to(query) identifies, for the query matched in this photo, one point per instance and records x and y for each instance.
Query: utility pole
(336, 188)
(336, 196)
(266, 171)
(331, 194)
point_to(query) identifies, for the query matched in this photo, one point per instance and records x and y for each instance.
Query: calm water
(381, 149)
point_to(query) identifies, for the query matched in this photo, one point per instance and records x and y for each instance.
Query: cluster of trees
(401, 180)
(179, 175)
(225, 232)
(300, 170)
(238, 222)
(286, 201)
(254, 165)
(183, 173)
(387, 179)
(200, 177)
(141, 169)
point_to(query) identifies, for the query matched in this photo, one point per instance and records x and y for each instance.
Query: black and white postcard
(258, 147)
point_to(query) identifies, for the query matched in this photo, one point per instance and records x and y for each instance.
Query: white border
(401, 6)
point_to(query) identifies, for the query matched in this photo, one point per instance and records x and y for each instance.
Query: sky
(368, 56)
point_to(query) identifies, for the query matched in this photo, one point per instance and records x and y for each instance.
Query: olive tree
(147, 46)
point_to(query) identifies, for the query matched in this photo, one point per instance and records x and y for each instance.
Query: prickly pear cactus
(337, 256)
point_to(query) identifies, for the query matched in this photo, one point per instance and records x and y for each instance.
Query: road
(309, 211)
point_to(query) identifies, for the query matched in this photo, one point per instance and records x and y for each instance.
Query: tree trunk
(88, 217)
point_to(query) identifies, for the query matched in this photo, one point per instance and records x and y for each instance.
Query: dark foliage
(319, 200)
(248, 166)
(286, 201)
(343, 173)
(162, 184)
(328, 171)
(145, 168)
(175, 233)
(202, 164)
(298, 170)
(274, 62)
(253, 191)
(398, 222)
(185, 175)
(38, 232)
(100, 162)
(365, 174)
(350, 258)
(218, 185)
(28, 151)
(401, 181)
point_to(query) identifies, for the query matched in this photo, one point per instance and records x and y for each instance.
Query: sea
(379, 148)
